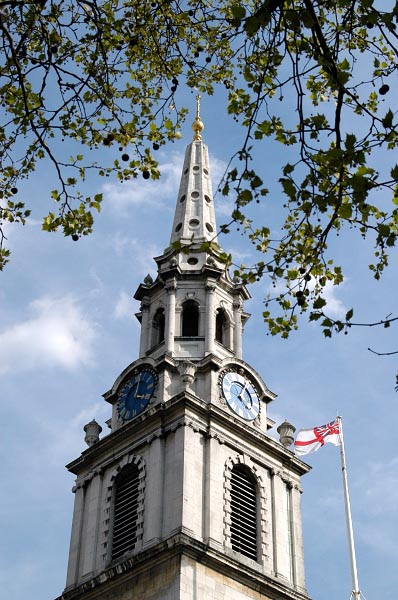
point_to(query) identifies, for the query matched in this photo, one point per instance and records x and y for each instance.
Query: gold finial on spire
(197, 125)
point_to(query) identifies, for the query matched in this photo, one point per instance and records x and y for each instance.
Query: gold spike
(197, 125)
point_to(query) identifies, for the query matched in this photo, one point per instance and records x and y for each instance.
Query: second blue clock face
(240, 395)
(137, 392)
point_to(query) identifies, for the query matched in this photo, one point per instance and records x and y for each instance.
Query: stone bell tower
(187, 497)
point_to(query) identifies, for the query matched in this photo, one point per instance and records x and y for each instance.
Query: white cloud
(138, 192)
(57, 334)
(335, 307)
(123, 306)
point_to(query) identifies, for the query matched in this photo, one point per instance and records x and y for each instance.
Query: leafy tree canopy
(109, 72)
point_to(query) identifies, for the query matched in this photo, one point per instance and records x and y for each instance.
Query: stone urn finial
(93, 430)
(286, 434)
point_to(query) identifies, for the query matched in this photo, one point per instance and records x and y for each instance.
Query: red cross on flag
(310, 440)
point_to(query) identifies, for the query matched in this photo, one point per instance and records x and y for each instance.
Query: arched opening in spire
(223, 328)
(158, 327)
(190, 319)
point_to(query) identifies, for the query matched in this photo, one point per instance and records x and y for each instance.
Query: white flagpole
(355, 594)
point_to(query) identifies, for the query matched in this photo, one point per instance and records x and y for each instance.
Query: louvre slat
(245, 518)
(243, 503)
(130, 493)
(246, 537)
(126, 530)
(242, 484)
(126, 506)
(125, 544)
(245, 530)
(128, 489)
(125, 516)
(127, 499)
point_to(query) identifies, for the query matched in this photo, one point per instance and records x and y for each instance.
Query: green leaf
(319, 302)
(387, 120)
(315, 316)
(287, 169)
(238, 11)
(394, 172)
(245, 196)
(384, 230)
(345, 211)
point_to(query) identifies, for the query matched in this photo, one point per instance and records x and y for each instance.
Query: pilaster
(145, 326)
(170, 316)
(237, 306)
(210, 318)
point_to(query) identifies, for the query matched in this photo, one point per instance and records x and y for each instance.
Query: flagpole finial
(197, 125)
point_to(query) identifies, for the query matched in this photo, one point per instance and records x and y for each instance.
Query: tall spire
(194, 219)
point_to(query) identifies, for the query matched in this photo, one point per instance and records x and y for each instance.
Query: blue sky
(67, 329)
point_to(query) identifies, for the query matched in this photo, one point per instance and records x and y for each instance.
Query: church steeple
(194, 219)
(188, 497)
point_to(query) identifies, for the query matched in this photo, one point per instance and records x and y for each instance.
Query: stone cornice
(247, 572)
(186, 409)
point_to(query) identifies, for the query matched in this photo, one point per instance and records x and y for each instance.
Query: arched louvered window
(190, 319)
(243, 512)
(125, 511)
(158, 326)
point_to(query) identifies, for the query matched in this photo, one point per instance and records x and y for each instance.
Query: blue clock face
(137, 392)
(240, 395)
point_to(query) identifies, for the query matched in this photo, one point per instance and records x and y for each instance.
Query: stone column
(192, 506)
(238, 327)
(154, 491)
(145, 327)
(93, 504)
(210, 319)
(282, 559)
(76, 536)
(213, 506)
(298, 538)
(274, 554)
(170, 316)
